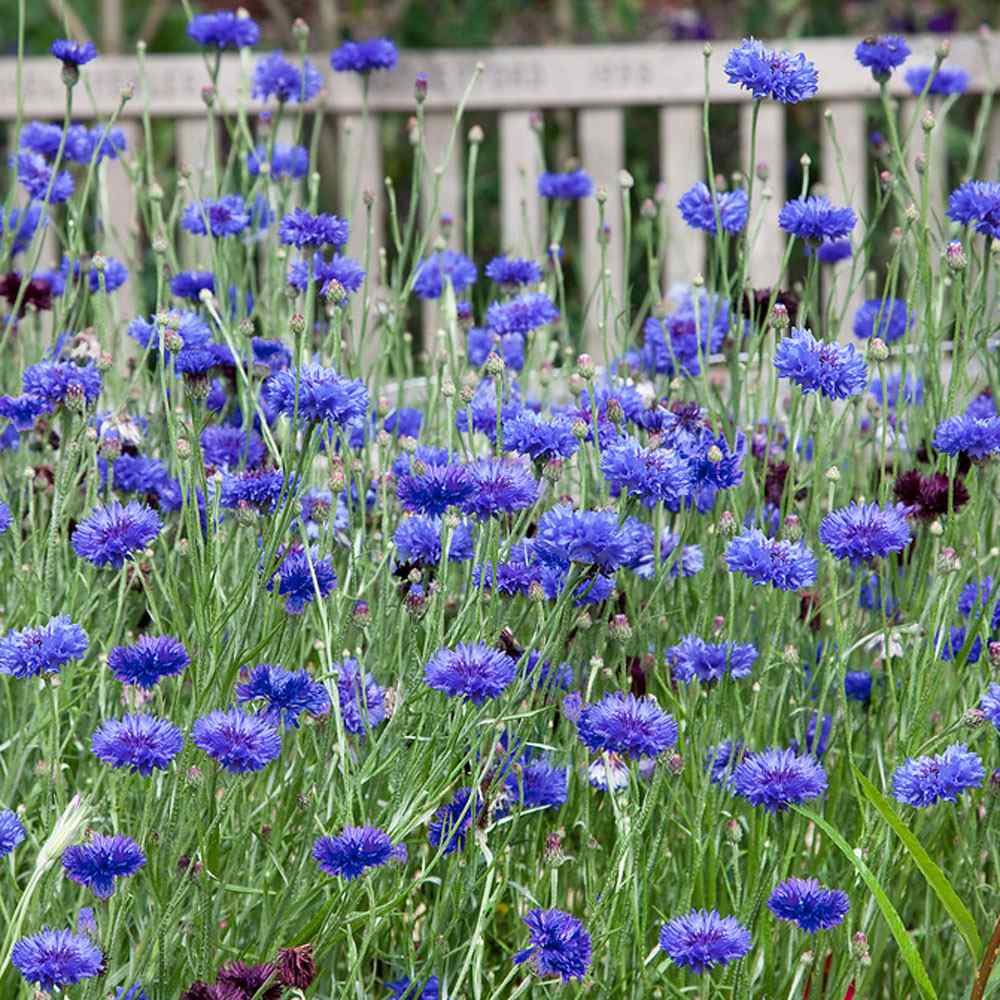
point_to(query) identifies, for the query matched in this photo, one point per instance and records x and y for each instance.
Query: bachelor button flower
(53, 381)
(861, 532)
(989, 705)
(150, 659)
(722, 759)
(654, 475)
(114, 533)
(224, 30)
(568, 186)
(323, 395)
(623, 724)
(420, 540)
(407, 989)
(11, 832)
(138, 742)
(782, 564)
(946, 80)
(31, 651)
(805, 902)
(23, 411)
(114, 275)
(227, 447)
(832, 251)
(702, 940)
(274, 76)
(895, 321)
(925, 781)
(286, 693)
(836, 370)
(5, 517)
(355, 850)
(541, 439)
(472, 671)
(560, 946)
(698, 212)
(286, 161)
(431, 273)
(226, 216)
(450, 824)
(538, 783)
(21, 226)
(978, 202)
(71, 53)
(776, 779)
(499, 486)
(295, 578)
(54, 959)
(693, 658)
(814, 219)
(363, 57)
(346, 272)
(237, 740)
(897, 389)
(521, 315)
(435, 489)
(858, 686)
(260, 489)
(967, 435)
(35, 176)
(591, 537)
(513, 271)
(362, 700)
(882, 55)
(97, 864)
(954, 641)
(767, 73)
(300, 228)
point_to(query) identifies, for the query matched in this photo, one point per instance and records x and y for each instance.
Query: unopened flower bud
(297, 324)
(245, 514)
(476, 135)
(948, 561)
(792, 528)
(993, 650)
(536, 592)
(780, 319)
(172, 341)
(579, 429)
(625, 180)
(536, 121)
(927, 121)
(246, 327)
(727, 523)
(877, 349)
(584, 621)
(585, 367)
(208, 95)
(553, 469)
(920, 163)
(714, 454)
(494, 365)
(361, 616)
(833, 474)
(675, 763)
(183, 448)
(954, 255)
(300, 30)
(647, 210)
(620, 628)
(160, 245)
(936, 529)
(613, 410)
(973, 718)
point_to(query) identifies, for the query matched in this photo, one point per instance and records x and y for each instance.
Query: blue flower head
(434, 488)
(782, 564)
(55, 959)
(300, 228)
(924, 781)
(698, 211)
(317, 395)
(538, 437)
(114, 533)
(890, 320)
(882, 54)
(521, 315)
(499, 486)
(36, 177)
(816, 220)
(837, 371)
(946, 80)
(407, 989)
(420, 540)
(450, 825)
(285, 161)
(776, 779)
(968, 435)
(224, 30)
(989, 705)
(21, 225)
(568, 186)
(225, 216)
(362, 700)
(623, 724)
(50, 647)
(71, 53)
(653, 475)
(355, 850)
(137, 742)
(295, 578)
(98, 863)
(364, 57)
(510, 272)
(432, 272)
(780, 76)
(239, 741)
(560, 946)
(803, 901)
(148, 660)
(702, 939)
(474, 671)
(286, 694)
(862, 532)
(274, 76)
(977, 202)
(694, 659)
(11, 832)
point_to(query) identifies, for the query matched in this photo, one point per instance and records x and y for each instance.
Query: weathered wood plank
(682, 163)
(522, 77)
(768, 241)
(195, 155)
(519, 170)
(119, 212)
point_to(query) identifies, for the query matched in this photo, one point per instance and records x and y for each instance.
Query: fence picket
(768, 241)
(520, 214)
(682, 163)
(119, 212)
(194, 153)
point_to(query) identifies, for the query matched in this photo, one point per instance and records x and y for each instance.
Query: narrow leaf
(936, 878)
(906, 946)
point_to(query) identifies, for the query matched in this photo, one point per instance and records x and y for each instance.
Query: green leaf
(936, 878)
(906, 946)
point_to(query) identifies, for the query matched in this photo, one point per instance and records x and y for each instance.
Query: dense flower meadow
(661, 673)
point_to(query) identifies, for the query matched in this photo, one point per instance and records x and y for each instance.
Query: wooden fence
(598, 82)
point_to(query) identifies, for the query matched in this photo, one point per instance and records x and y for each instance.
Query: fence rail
(599, 82)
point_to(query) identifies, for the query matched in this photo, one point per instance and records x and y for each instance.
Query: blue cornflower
(59, 381)
(6, 519)
(323, 395)
(480, 342)
(11, 832)
(911, 390)
(776, 778)
(569, 186)
(114, 275)
(698, 212)
(97, 864)
(138, 742)
(54, 959)
(978, 202)
(702, 940)
(286, 693)
(420, 539)
(147, 477)
(925, 781)
(861, 532)
(347, 273)
(85, 144)
(35, 176)
(680, 341)
(721, 760)
(362, 700)
(224, 30)
(623, 724)
(805, 902)
(896, 320)
(356, 849)
(858, 686)
(226, 216)
(542, 439)
(560, 946)
(260, 489)
(947, 80)
(450, 824)
(42, 138)
(363, 57)
(693, 658)
(782, 564)
(838, 371)
(513, 271)
(239, 741)
(521, 315)
(654, 475)
(149, 660)
(499, 486)
(195, 355)
(952, 644)
(71, 53)
(590, 537)
(114, 533)
(989, 705)
(537, 784)
(133, 992)
(967, 435)
(300, 228)
(815, 219)
(21, 225)
(473, 671)
(274, 76)
(882, 54)
(767, 73)
(285, 161)
(30, 651)
(450, 264)
(832, 251)
(295, 578)
(228, 447)
(435, 488)
(407, 989)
